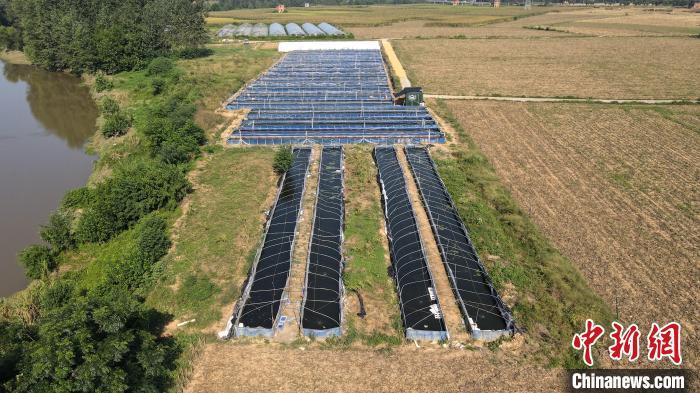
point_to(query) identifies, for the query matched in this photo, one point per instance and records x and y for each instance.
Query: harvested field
(376, 15)
(409, 369)
(620, 67)
(629, 22)
(615, 188)
(427, 29)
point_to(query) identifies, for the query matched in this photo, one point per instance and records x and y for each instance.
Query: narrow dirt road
(297, 274)
(395, 63)
(558, 99)
(448, 304)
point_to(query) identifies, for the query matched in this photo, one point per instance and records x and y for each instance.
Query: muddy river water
(45, 120)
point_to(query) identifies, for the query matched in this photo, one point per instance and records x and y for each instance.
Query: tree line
(110, 35)
(223, 5)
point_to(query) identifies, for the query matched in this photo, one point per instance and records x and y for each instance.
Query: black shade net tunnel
(323, 289)
(485, 314)
(329, 97)
(420, 308)
(257, 311)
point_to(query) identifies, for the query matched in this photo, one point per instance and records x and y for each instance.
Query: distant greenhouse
(329, 29)
(259, 30)
(244, 30)
(277, 30)
(312, 30)
(294, 29)
(227, 31)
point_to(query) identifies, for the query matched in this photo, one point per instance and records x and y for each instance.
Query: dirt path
(227, 367)
(395, 64)
(448, 304)
(557, 99)
(292, 309)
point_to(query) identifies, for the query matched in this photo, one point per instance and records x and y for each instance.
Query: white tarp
(328, 45)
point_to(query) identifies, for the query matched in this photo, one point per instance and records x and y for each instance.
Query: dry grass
(226, 367)
(629, 22)
(615, 188)
(581, 67)
(216, 239)
(14, 57)
(223, 73)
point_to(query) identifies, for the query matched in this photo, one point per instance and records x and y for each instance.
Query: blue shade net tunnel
(329, 97)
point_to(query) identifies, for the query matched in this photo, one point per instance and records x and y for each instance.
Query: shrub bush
(136, 271)
(194, 53)
(102, 83)
(109, 106)
(78, 198)
(160, 66)
(116, 124)
(283, 159)
(58, 231)
(95, 225)
(38, 260)
(176, 149)
(134, 190)
(153, 241)
(170, 132)
(157, 86)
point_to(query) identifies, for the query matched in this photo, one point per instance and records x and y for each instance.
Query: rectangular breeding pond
(420, 307)
(330, 97)
(484, 312)
(260, 304)
(322, 304)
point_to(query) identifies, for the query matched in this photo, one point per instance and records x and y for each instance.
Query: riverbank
(47, 119)
(185, 93)
(14, 57)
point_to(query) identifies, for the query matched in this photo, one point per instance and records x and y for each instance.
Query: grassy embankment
(192, 280)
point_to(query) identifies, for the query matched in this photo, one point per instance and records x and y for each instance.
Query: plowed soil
(616, 188)
(615, 67)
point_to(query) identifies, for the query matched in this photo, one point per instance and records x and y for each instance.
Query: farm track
(224, 367)
(615, 189)
(559, 99)
(292, 309)
(448, 304)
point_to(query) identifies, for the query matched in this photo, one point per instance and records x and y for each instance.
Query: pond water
(45, 120)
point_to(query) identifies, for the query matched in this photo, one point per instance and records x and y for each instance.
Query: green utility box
(410, 96)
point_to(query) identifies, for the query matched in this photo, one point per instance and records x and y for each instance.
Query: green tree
(134, 190)
(38, 260)
(12, 338)
(58, 231)
(96, 341)
(110, 36)
(153, 241)
(116, 124)
(283, 159)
